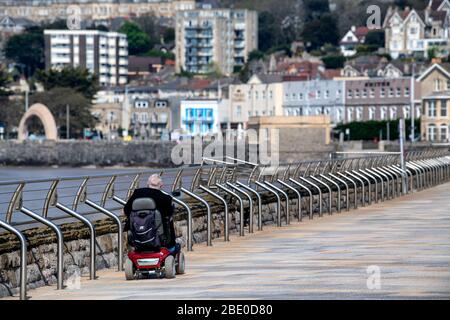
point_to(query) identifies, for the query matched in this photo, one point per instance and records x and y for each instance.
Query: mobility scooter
(147, 237)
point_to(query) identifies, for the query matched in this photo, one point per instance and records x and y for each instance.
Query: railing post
(320, 193)
(338, 202)
(89, 224)
(23, 258)
(285, 195)
(347, 195)
(299, 196)
(241, 203)
(249, 189)
(310, 196)
(330, 196)
(250, 207)
(225, 205)
(267, 188)
(208, 217)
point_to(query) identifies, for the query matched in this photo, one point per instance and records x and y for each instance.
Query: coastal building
(317, 97)
(435, 88)
(413, 32)
(49, 10)
(102, 53)
(199, 117)
(214, 40)
(381, 99)
(262, 95)
(354, 37)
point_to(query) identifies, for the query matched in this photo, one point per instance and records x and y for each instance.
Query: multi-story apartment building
(317, 97)
(412, 32)
(49, 10)
(209, 40)
(435, 89)
(102, 53)
(381, 99)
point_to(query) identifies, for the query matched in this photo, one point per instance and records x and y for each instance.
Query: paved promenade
(408, 239)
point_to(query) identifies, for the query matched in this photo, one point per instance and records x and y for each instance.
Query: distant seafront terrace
(212, 201)
(45, 10)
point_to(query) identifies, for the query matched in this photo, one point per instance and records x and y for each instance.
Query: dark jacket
(163, 205)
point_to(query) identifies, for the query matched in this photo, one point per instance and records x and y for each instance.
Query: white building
(199, 117)
(354, 37)
(209, 40)
(412, 32)
(102, 53)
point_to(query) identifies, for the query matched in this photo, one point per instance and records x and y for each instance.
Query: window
(383, 113)
(359, 113)
(382, 93)
(391, 92)
(339, 115)
(448, 84)
(393, 113)
(432, 109)
(270, 94)
(372, 93)
(356, 93)
(300, 96)
(399, 92)
(364, 95)
(338, 93)
(443, 133)
(371, 113)
(431, 132)
(318, 94)
(238, 111)
(437, 85)
(294, 96)
(327, 94)
(350, 114)
(406, 112)
(444, 108)
(349, 93)
(406, 92)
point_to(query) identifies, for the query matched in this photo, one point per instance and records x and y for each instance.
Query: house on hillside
(354, 37)
(411, 32)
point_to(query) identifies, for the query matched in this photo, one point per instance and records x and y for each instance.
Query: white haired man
(163, 205)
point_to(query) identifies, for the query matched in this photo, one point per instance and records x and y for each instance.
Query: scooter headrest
(144, 204)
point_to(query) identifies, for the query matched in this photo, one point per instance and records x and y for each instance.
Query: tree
(268, 32)
(321, 31)
(255, 55)
(11, 111)
(375, 38)
(27, 49)
(78, 79)
(5, 79)
(334, 61)
(57, 100)
(315, 9)
(138, 41)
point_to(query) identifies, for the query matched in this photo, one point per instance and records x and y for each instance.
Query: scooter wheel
(129, 270)
(180, 263)
(169, 267)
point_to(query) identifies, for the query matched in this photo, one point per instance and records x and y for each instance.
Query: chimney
(353, 29)
(436, 60)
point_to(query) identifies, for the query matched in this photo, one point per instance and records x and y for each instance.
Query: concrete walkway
(407, 240)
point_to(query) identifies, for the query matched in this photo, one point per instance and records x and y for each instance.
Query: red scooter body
(149, 260)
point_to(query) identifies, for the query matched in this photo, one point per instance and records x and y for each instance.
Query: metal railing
(226, 182)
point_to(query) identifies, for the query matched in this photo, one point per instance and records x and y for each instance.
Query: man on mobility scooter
(151, 233)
